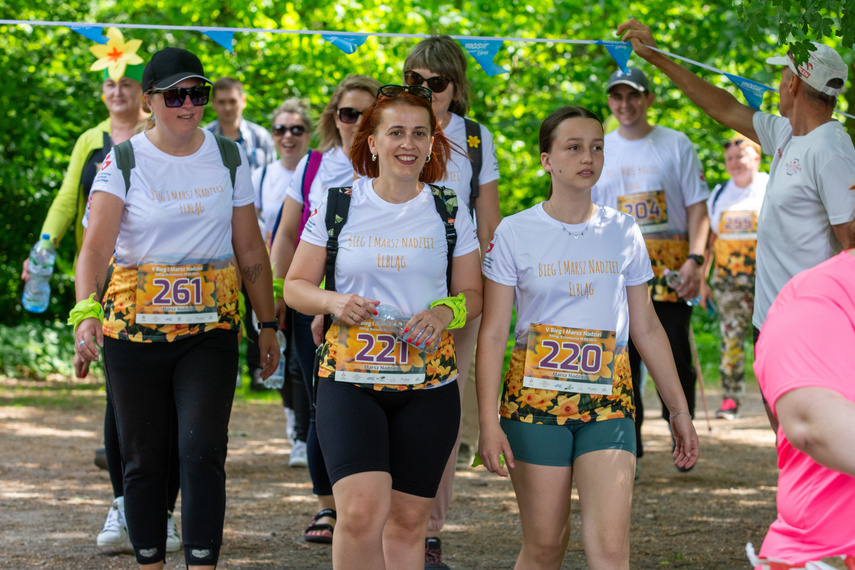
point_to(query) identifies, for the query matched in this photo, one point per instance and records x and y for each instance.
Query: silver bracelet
(674, 415)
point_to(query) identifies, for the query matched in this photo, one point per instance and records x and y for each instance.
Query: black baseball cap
(170, 66)
(633, 77)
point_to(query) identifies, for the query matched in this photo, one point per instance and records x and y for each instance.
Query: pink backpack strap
(312, 167)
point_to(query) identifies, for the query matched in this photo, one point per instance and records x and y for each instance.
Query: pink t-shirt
(808, 340)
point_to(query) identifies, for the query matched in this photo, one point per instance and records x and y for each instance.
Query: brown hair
(444, 56)
(547, 130)
(330, 137)
(225, 83)
(360, 155)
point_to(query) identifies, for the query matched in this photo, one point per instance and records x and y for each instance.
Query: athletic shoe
(728, 410)
(115, 531)
(433, 553)
(298, 456)
(290, 425)
(173, 539)
(101, 458)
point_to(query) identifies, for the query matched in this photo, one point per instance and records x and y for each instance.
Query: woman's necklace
(566, 231)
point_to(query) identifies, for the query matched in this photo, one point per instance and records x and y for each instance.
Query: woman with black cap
(173, 208)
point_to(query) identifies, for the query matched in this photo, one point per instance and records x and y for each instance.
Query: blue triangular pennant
(345, 42)
(751, 90)
(484, 51)
(94, 33)
(620, 52)
(222, 38)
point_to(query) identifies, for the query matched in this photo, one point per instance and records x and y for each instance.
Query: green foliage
(36, 350)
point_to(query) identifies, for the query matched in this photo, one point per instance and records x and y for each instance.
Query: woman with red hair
(388, 411)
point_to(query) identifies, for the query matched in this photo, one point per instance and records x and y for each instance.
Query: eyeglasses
(175, 96)
(729, 144)
(348, 115)
(395, 90)
(436, 84)
(295, 130)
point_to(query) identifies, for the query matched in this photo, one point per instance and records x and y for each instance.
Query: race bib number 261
(176, 294)
(569, 360)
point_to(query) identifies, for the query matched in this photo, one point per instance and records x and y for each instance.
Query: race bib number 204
(569, 360)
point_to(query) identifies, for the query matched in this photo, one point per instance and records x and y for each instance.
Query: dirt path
(53, 500)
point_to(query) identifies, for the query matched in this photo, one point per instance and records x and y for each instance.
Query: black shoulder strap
(230, 154)
(261, 184)
(125, 161)
(473, 145)
(717, 192)
(338, 204)
(445, 201)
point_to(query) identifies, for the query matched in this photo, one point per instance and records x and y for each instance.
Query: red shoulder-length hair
(360, 155)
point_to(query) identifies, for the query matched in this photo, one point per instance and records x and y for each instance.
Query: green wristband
(278, 288)
(86, 309)
(457, 306)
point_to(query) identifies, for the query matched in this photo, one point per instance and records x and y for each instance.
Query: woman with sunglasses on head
(388, 412)
(318, 171)
(173, 209)
(566, 404)
(439, 63)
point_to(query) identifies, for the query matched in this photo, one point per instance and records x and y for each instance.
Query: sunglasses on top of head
(395, 90)
(175, 96)
(436, 84)
(295, 130)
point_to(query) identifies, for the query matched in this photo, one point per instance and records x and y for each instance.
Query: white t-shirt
(335, 171)
(808, 192)
(395, 253)
(178, 210)
(458, 175)
(732, 198)
(270, 196)
(663, 161)
(559, 280)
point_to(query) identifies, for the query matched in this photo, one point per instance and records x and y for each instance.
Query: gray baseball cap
(635, 78)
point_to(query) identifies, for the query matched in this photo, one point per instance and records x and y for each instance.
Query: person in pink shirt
(805, 369)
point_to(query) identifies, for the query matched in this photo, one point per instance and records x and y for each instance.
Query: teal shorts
(559, 446)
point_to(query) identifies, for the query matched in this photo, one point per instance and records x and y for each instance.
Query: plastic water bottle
(37, 290)
(390, 319)
(674, 279)
(277, 379)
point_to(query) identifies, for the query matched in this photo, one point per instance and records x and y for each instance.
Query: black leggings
(149, 382)
(676, 318)
(408, 434)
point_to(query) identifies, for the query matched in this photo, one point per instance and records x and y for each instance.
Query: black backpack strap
(445, 201)
(230, 154)
(124, 153)
(716, 194)
(338, 204)
(261, 184)
(476, 155)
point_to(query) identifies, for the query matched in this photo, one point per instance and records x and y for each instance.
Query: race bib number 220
(569, 360)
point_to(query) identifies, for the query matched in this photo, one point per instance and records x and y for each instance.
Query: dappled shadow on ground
(53, 500)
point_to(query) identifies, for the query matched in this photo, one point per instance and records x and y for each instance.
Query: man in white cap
(653, 173)
(808, 204)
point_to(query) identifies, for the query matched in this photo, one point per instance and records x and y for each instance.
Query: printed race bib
(176, 294)
(565, 359)
(648, 208)
(738, 224)
(370, 356)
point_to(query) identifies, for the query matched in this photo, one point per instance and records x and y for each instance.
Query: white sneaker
(115, 531)
(173, 540)
(298, 456)
(290, 425)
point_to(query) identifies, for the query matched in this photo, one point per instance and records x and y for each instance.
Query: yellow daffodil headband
(117, 57)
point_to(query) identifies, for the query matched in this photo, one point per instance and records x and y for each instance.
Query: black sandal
(315, 526)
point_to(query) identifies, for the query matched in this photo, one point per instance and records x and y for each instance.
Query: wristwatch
(699, 259)
(274, 324)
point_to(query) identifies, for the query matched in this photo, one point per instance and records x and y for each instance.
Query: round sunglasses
(436, 84)
(175, 96)
(295, 130)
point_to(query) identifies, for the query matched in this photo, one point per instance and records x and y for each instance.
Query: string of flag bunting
(483, 49)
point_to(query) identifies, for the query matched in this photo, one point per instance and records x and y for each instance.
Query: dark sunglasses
(729, 144)
(175, 96)
(349, 115)
(295, 130)
(395, 90)
(436, 84)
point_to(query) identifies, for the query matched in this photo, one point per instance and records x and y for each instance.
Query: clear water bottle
(389, 318)
(37, 290)
(277, 379)
(674, 280)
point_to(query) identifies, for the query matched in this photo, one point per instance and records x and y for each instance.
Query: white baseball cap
(823, 65)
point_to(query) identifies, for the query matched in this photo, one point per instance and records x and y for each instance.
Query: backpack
(473, 146)
(338, 204)
(313, 164)
(229, 152)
